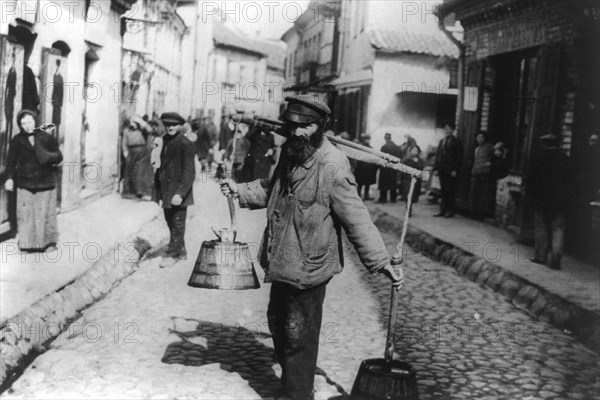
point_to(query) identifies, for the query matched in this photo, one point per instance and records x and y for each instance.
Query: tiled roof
(273, 50)
(405, 40)
(225, 36)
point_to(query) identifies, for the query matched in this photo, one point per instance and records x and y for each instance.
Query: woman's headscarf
(23, 113)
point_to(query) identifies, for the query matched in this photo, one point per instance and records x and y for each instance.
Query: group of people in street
(250, 151)
(390, 181)
(490, 163)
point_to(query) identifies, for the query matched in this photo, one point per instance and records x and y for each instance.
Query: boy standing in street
(173, 183)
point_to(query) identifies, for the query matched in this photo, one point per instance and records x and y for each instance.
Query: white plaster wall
(388, 14)
(356, 50)
(64, 21)
(274, 100)
(103, 104)
(402, 105)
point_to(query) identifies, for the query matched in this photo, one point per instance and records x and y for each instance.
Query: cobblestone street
(154, 337)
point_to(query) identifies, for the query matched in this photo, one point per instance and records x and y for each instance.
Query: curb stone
(582, 323)
(27, 334)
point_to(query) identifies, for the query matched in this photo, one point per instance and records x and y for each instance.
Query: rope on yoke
(400, 246)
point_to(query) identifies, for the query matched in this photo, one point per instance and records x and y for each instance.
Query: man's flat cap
(304, 109)
(172, 118)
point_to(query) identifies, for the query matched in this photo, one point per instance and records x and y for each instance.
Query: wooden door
(539, 119)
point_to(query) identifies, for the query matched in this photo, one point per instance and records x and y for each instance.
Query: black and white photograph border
(300, 199)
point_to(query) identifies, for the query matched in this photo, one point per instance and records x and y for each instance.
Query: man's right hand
(229, 187)
(9, 185)
(396, 275)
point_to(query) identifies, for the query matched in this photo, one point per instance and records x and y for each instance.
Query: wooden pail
(379, 379)
(224, 266)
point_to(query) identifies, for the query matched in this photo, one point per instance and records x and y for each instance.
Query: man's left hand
(269, 153)
(176, 200)
(395, 274)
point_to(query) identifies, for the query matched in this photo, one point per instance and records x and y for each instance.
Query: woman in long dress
(32, 168)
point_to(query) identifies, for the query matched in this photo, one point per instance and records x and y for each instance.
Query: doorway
(523, 95)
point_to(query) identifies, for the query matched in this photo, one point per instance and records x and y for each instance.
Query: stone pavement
(155, 337)
(569, 298)
(85, 236)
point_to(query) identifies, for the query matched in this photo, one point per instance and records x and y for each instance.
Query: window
(242, 78)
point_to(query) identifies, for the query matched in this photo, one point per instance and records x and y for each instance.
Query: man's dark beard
(296, 151)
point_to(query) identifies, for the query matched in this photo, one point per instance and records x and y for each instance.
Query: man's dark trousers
(295, 322)
(448, 187)
(175, 217)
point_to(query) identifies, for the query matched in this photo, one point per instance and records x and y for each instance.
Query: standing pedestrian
(414, 160)
(173, 184)
(499, 167)
(482, 182)
(365, 173)
(545, 185)
(404, 152)
(32, 167)
(138, 174)
(261, 155)
(205, 143)
(388, 176)
(238, 154)
(308, 203)
(447, 164)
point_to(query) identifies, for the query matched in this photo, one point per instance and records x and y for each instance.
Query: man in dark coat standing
(260, 155)
(173, 183)
(205, 143)
(57, 95)
(388, 176)
(447, 163)
(545, 186)
(364, 172)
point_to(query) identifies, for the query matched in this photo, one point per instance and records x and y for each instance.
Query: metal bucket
(224, 266)
(381, 379)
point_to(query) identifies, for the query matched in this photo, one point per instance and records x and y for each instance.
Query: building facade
(531, 69)
(394, 73)
(229, 71)
(62, 59)
(152, 59)
(310, 60)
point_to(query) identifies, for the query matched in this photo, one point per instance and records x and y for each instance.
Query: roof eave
(238, 48)
(399, 52)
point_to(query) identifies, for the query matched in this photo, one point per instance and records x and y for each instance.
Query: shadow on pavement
(235, 348)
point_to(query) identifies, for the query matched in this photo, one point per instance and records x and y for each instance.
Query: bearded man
(311, 196)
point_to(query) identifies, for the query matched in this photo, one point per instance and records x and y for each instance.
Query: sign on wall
(471, 99)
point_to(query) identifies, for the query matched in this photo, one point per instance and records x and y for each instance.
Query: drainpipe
(195, 71)
(461, 70)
